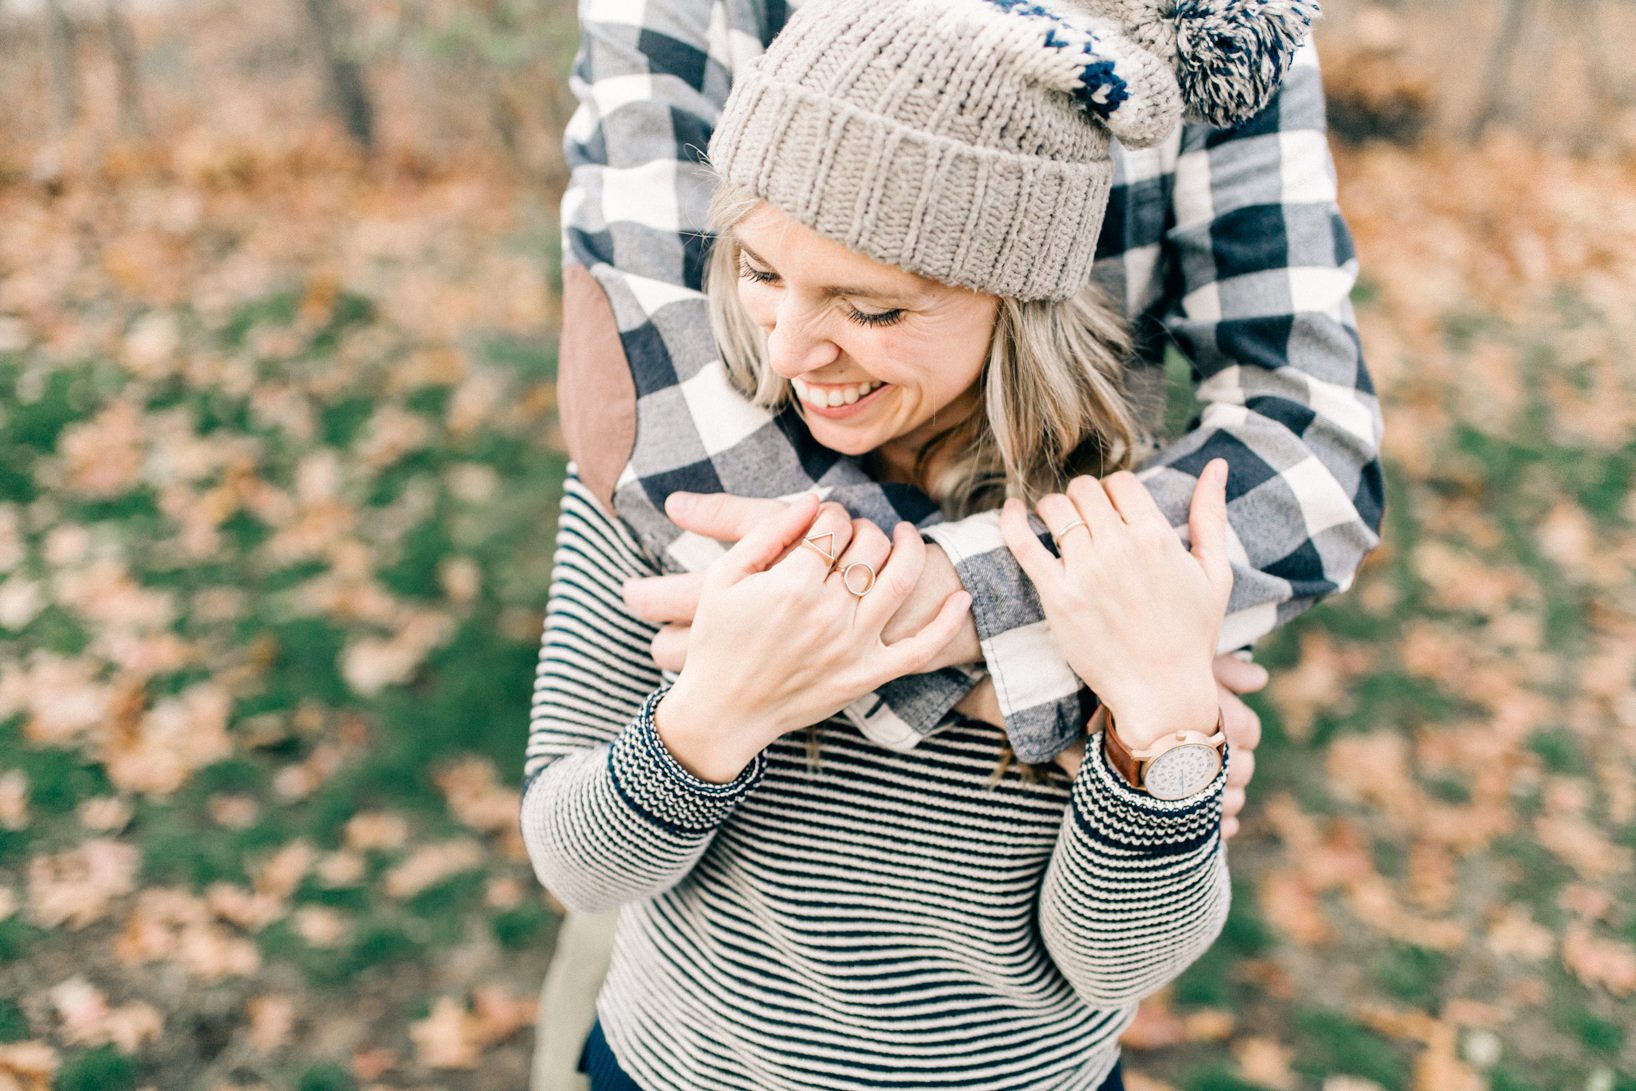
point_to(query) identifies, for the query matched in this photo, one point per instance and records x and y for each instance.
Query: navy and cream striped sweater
(889, 920)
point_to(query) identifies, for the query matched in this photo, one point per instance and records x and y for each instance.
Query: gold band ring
(1056, 538)
(846, 578)
(828, 538)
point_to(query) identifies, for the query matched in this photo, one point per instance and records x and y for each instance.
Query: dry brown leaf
(431, 864)
(1598, 961)
(1157, 1025)
(372, 1064)
(282, 872)
(13, 800)
(27, 1066)
(1266, 1062)
(87, 1018)
(376, 830)
(476, 797)
(272, 1018)
(78, 887)
(497, 1015)
(1293, 910)
(1439, 1067)
(446, 1038)
(1514, 934)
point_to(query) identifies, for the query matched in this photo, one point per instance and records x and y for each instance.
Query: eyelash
(885, 318)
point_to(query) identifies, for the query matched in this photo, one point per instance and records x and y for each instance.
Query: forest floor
(278, 472)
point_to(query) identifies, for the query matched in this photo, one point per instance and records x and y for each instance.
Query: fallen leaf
(79, 886)
(446, 1037)
(431, 864)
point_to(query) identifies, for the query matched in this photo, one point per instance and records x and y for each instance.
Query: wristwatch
(1174, 766)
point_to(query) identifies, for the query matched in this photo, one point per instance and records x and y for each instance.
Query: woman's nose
(795, 347)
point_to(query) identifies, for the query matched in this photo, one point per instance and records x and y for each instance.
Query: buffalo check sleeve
(1237, 254)
(1287, 400)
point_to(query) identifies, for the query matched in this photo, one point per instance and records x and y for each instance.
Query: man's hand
(671, 601)
(1233, 677)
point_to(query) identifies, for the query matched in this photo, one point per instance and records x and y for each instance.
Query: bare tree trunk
(64, 70)
(1499, 64)
(133, 119)
(347, 91)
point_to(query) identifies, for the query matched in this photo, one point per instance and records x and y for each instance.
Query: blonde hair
(1055, 401)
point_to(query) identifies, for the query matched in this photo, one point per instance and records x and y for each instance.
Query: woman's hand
(780, 642)
(1134, 613)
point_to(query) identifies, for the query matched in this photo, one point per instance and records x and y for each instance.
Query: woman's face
(880, 358)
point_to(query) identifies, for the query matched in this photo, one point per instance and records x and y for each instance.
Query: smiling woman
(904, 264)
(951, 388)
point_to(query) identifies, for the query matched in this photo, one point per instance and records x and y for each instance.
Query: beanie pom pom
(1231, 55)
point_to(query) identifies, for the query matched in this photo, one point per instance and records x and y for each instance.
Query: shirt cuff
(1044, 702)
(905, 710)
(1111, 812)
(650, 779)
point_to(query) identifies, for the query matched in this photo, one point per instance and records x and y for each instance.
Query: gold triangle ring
(812, 541)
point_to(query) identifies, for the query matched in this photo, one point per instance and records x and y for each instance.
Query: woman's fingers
(1035, 559)
(1069, 528)
(1207, 526)
(818, 548)
(859, 569)
(1135, 504)
(1090, 496)
(768, 539)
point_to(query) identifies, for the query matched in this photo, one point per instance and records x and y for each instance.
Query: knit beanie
(969, 140)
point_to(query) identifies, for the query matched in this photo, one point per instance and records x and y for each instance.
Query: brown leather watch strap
(1119, 755)
(1124, 760)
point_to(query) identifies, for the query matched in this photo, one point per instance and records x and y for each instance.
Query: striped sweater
(888, 919)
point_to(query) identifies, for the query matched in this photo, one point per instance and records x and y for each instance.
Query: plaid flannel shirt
(1227, 243)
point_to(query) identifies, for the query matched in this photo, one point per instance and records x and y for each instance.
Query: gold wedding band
(846, 578)
(1056, 538)
(811, 542)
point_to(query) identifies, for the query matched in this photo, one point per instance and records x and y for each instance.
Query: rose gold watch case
(1135, 765)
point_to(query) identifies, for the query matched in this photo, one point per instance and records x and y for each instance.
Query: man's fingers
(1232, 802)
(670, 647)
(664, 599)
(1241, 769)
(719, 515)
(911, 654)
(1241, 722)
(1239, 675)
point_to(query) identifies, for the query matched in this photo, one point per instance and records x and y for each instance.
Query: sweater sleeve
(1137, 888)
(608, 815)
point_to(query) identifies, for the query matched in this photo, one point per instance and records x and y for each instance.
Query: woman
(912, 195)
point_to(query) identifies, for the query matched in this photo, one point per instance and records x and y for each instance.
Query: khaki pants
(568, 999)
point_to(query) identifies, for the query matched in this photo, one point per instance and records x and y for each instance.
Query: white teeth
(834, 396)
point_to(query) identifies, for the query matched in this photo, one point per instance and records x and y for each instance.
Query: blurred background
(278, 471)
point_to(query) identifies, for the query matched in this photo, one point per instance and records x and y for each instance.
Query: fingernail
(679, 502)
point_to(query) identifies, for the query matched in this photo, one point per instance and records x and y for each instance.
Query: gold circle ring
(846, 578)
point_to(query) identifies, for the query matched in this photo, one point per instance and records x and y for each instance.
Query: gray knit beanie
(969, 140)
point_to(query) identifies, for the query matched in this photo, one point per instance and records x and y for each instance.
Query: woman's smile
(838, 401)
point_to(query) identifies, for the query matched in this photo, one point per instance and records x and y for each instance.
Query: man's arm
(1259, 267)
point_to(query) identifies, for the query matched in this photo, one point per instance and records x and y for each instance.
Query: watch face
(1181, 771)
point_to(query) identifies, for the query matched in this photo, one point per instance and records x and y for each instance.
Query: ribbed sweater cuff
(649, 778)
(1108, 810)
